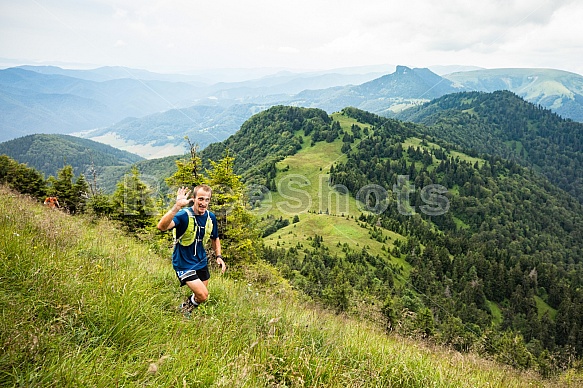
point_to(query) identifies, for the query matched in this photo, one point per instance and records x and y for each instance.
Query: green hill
(503, 124)
(84, 305)
(268, 137)
(49, 153)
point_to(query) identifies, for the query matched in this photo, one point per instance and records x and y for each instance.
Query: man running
(189, 257)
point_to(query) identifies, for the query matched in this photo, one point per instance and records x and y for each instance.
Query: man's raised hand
(182, 196)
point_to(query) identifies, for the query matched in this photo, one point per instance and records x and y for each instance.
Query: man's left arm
(216, 244)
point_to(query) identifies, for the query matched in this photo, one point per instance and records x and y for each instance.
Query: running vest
(193, 228)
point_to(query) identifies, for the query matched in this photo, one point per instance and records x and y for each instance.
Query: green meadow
(322, 209)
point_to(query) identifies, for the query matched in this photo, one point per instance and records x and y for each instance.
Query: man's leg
(197, 282)
(200, 290)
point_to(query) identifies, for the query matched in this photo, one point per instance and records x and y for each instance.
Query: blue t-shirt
(188, 258)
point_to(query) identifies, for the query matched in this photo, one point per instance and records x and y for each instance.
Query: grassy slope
(83, 305)
(303, 189)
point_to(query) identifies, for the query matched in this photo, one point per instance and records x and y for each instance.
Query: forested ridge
(101, 164)
(509, 237)
(502, 124)
(49, 153)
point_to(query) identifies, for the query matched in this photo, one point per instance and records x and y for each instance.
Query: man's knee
(202, 296)
(199, 289)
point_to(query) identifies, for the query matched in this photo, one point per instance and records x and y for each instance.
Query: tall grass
(84, 305)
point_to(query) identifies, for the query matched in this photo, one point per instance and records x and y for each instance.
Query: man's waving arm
(166, 222)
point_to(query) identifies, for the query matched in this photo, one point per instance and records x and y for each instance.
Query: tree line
(137, 207)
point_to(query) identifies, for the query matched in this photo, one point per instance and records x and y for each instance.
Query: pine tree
(237, 226)
(81, 190)
(133, 202)
(63, 189)
(22, 178)
(187, 173)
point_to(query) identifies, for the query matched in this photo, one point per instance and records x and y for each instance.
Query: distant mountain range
(559, 91)
(397, 91)
(386, 95)
(149, 114)
(162, 134)
(32, 102)
(48, 99)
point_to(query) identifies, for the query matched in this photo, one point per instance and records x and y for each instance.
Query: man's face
(201, 201)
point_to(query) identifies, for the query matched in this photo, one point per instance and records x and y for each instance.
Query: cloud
(263, 33)
(120, 13)
(288, 50)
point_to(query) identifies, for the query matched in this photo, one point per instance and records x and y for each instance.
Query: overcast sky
(181, 35)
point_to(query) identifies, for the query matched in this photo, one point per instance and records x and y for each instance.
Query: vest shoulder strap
(188, 236)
